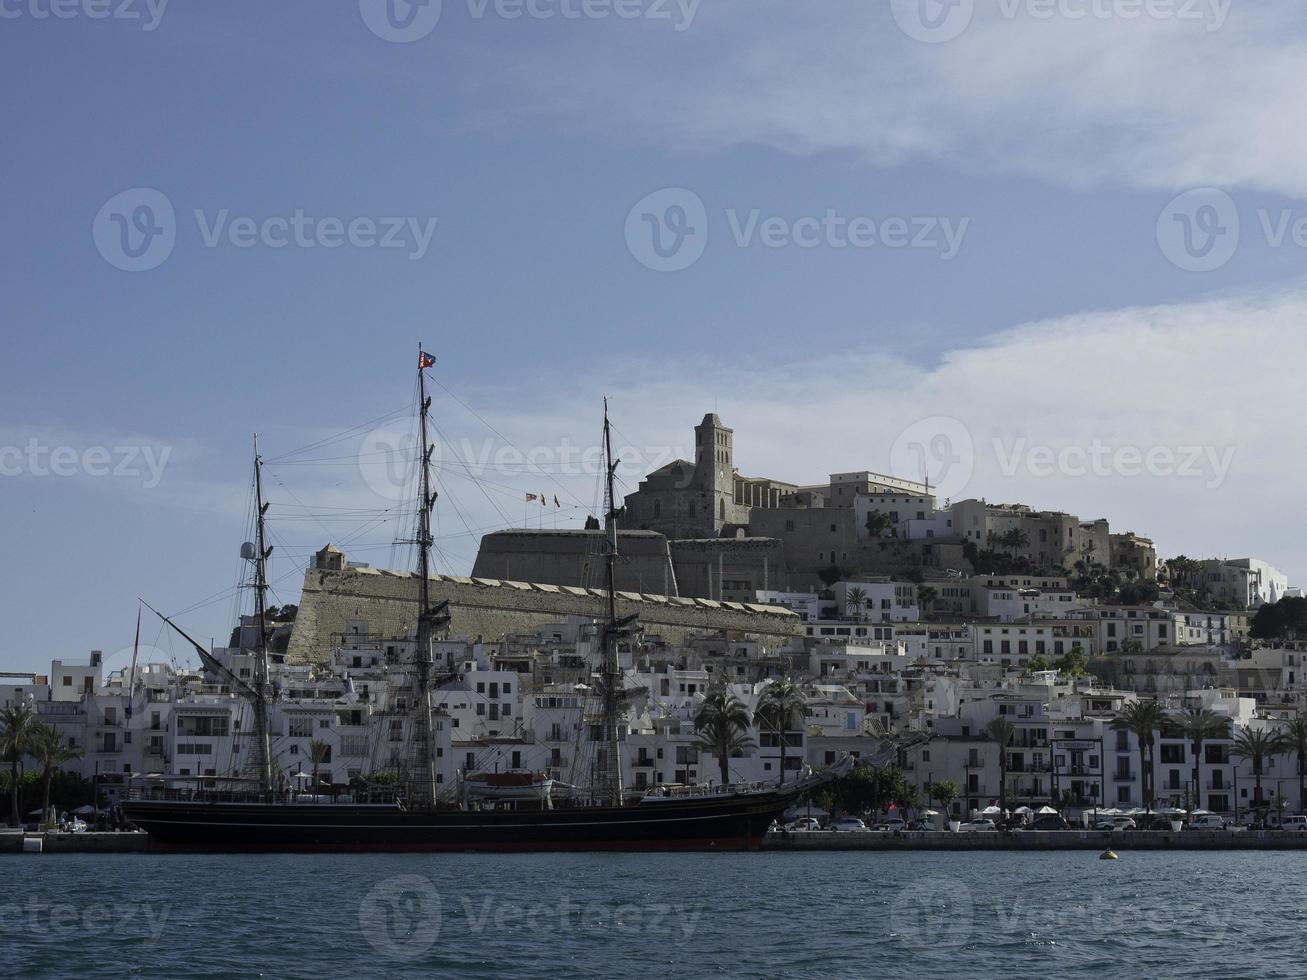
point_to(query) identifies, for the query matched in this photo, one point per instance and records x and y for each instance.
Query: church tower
(714, 473)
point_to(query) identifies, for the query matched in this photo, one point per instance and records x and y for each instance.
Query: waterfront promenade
(1053, 840)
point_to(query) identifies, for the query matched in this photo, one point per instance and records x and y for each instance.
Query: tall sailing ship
(495, 811)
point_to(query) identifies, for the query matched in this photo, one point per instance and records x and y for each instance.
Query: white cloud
(1151, 102)
(1204, 387)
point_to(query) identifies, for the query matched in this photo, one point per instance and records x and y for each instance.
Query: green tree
(1283, 620)
(17, 724)
(1295, 738)
(944, 792)
(319, 752)
(926, 596)
(1199, 725)
(1038, 662)
(1143, 718)
(782, 701)
(50, 751)
(1257, 745)
(1001, 731)
(878, 523)
(722, 725)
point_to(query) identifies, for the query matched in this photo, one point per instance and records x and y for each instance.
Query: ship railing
(672, 791)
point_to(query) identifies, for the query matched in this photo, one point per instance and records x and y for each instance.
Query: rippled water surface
(1208, 914)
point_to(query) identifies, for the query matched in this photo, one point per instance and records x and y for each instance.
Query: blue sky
(1056, 147)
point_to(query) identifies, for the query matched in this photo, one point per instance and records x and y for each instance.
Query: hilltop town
(987, 648)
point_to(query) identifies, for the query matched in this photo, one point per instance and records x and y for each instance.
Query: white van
(1207, 821)
(1296, 822)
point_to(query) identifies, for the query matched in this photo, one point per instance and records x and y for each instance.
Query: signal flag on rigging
(425, 360)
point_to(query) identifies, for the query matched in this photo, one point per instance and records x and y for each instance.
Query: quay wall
(87, 843)
(1057, 840)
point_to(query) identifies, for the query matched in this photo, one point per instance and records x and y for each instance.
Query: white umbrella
(1023, 810)
(1045, 811)
(991, 811)
(931, 813)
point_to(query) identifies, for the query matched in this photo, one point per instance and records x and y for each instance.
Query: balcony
(1124, 777)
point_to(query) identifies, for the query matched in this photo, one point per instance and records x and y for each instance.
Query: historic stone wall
(574, 557)
(386, 603)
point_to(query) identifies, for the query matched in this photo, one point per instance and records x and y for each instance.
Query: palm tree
(319, 752)
(1143, 718)
(1258, 745)
(722, 725)
(16, 726)
(1001, 731)
(855, 600)
(1198, 725)
(782, 700)
(926, 596)
(50, 751)
(1295, 738)
(1016, 539)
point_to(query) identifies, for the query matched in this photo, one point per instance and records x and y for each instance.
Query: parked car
(1296, 822)
(920, 825)
(1154, 821)
(979, 825)
(1117, 823)
(1049, 822)
(805, 823)
(1208, 821)
(849, 825)
(891, 824)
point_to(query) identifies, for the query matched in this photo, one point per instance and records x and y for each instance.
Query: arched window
(721, 509)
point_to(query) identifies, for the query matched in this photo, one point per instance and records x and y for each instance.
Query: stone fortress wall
(337, 598)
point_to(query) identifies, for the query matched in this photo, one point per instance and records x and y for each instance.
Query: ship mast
(263, 749)
(611, 670)
(428, 619)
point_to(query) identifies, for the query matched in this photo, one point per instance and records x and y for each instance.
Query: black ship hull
(707, 823)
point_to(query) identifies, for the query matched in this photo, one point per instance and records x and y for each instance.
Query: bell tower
(714, 473)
